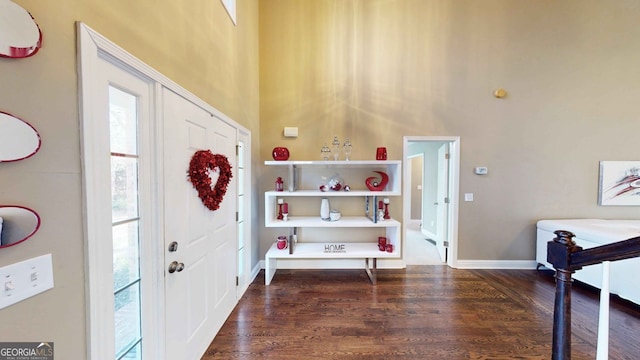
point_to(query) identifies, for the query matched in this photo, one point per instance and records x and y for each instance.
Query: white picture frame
(619, 183)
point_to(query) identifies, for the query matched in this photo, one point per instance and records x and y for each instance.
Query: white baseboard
(256, 270)
(497, 264)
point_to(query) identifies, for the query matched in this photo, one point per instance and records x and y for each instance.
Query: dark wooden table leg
(561, 348)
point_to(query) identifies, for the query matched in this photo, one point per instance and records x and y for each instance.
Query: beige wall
(372, 70)
(193, 43)
(376, 70)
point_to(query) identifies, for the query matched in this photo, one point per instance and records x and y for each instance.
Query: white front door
(201, 296)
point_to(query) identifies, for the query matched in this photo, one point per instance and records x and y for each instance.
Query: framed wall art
(619, 183)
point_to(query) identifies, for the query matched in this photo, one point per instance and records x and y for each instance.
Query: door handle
(175, 266)
(173, 246)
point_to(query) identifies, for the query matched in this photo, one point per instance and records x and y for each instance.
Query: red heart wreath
(201, 162)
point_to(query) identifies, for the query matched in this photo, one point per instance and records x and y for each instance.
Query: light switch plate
(468, 197)
(25, 279)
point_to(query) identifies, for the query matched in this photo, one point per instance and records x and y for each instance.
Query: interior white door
(443, 201)
(201, 296)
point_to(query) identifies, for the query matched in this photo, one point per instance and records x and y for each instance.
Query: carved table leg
(561, 348)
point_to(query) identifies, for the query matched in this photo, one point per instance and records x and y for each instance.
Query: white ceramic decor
(20, 36)
(18, 139)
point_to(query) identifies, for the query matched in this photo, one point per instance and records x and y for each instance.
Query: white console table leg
(373, 271)
(270, 267)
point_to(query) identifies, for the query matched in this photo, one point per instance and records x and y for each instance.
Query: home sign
(335, 248)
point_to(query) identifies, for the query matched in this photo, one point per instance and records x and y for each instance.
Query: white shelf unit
(299, 249)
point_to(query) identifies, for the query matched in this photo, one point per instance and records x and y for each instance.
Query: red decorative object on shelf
(280, 153)
(382, 243)
(282, 242)
(285, 211)
(386, 209)
(381, 153)
(374, 185)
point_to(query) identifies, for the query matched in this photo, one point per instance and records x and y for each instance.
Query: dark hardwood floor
(422, 312)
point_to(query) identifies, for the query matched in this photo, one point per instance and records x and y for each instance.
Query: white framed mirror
(17, 224)
(20, 35)
(18, 139)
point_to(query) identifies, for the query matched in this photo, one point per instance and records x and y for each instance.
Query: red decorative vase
(381, 153)
(280, 153)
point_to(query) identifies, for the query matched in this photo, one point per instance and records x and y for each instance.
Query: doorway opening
(430, 207)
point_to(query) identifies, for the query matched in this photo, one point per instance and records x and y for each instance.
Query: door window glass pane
(126, 267)
(127, 318)
(134, 354)
(124, 188)
(123, 122)
(123, 126)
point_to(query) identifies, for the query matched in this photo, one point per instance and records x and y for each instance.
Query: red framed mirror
(17, 224)
(18, 139)
(20, 35)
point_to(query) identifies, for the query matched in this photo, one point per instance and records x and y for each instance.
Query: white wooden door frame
(454, 188)
(98, 269)
(442, 191)
(246, 277)
(91, 47)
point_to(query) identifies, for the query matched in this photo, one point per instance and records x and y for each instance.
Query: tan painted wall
(372, 70)
(193, 43)
(376, 70)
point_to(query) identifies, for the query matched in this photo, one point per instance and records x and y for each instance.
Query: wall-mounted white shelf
(345, 221)
(316, 251)
(318, 193)
(391, 167)
(336, 163)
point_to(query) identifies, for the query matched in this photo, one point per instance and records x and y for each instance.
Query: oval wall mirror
(17, 224)
(20, 36)
(18, 139)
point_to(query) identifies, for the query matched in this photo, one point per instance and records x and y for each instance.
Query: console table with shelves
(302, 185)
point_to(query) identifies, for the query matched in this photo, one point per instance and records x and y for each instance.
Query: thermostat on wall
(481, 170)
